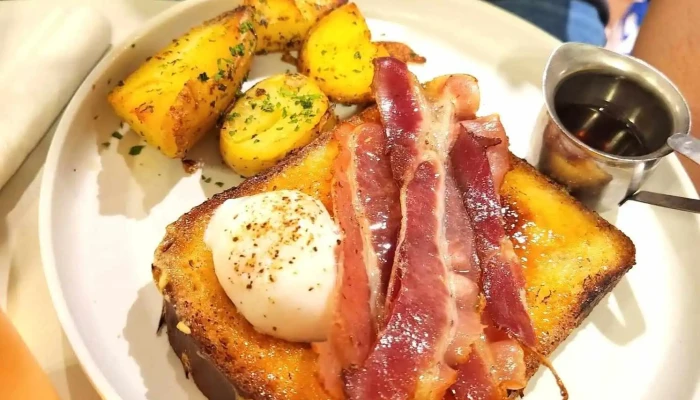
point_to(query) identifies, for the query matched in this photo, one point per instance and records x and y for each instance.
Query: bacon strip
(475, 381)
(470, 351)
(468, 326)
(460, 236)
(461, 90)
(503, 283)
(454, 98)
(496, 362)
(407, 361)
(377, 197)
(364, 196)
(498, 156)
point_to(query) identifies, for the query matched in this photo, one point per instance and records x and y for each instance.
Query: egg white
(274, 255)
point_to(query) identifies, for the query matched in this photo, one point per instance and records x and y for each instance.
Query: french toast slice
(571, 259)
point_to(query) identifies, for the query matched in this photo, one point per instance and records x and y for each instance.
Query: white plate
(103, 212)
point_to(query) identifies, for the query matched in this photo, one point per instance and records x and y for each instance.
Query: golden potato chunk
(277, 115)
(177, 95)
(337, 54)
(282, 24)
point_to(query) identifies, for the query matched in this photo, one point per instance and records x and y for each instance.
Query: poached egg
(274, 255)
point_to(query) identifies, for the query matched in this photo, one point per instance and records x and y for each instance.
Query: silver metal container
(602, 176)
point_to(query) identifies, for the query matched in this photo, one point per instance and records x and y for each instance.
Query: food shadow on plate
(267, 65)
(150, 350)
(123, 153)
(214, 175)
(131, 169)
(620, 331)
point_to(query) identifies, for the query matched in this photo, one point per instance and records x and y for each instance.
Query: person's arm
(669, 39)
(21, 376)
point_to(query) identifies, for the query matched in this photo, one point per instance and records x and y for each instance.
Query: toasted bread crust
(571, 256)
(571, 259)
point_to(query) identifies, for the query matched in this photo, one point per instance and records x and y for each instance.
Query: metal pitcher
(603, 175)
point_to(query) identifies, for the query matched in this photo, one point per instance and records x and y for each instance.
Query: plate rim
(97, 378)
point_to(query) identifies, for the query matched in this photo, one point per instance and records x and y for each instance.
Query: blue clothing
(567, 20)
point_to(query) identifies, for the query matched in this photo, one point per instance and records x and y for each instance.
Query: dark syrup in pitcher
(602, 129)
(613, 114)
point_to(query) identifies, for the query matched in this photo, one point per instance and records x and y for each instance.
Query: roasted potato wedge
(281, 25)
(277, 115)
(177, 95)
(337, 54)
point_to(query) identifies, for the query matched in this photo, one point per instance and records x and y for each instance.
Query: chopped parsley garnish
(237, 50)
(135, 150)
(219, 184)
(307, 100)
(221, 64)
(358, 55)
(232, 116)
(323, 52)
(267, 106)
(246, 26)
(207, 180)
(249, 119)
(223, 60)
(203, 77)
(117, 135)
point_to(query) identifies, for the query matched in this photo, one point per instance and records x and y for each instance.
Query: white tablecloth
(28, 302)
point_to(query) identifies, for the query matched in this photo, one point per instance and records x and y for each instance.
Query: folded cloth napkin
(45, 53)
(51, 56)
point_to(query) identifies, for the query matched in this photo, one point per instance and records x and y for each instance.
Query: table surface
(28, 301)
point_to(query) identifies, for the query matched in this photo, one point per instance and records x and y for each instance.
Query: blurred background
(611, 23)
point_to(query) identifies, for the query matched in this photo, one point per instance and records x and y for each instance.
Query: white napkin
(51, 57)
(45, 53)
